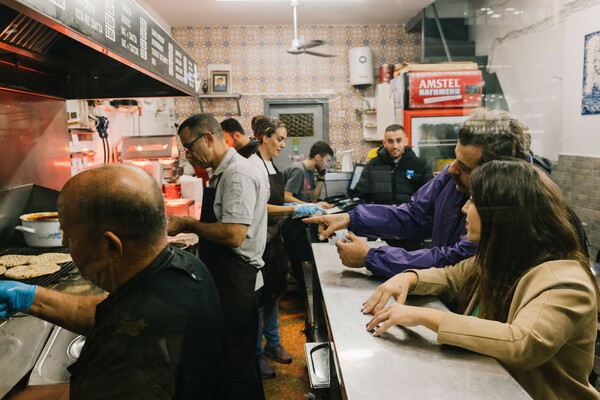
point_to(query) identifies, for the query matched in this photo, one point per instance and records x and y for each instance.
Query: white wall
(525, 51)
(157, 118)
(580, 133)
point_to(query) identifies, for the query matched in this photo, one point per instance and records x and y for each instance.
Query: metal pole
(439, 26)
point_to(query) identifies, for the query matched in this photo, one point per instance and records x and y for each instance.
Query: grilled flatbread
(2, 269)
(31, 271)
(58, 258)
(12, 260)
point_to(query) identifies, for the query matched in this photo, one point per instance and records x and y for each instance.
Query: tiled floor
(291, 381)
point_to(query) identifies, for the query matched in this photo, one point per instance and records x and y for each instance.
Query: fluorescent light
(495, 16)
(510, 9)
(490, 12)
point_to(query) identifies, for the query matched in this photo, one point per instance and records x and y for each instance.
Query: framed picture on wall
(220, 82)
(590, 102)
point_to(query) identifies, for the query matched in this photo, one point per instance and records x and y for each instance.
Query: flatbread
(2, 269)
(31, 271)
(51, 258)
(12, 260)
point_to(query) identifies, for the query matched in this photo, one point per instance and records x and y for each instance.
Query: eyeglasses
(188, 146)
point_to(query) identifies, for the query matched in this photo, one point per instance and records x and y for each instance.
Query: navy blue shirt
(158, 336)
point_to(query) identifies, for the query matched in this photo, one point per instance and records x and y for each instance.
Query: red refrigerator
(431, 106)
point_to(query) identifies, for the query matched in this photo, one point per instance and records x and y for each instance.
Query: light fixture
(510, 9)
(490, 12)
(495, 16)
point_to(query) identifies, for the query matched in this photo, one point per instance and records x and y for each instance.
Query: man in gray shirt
(232, 231)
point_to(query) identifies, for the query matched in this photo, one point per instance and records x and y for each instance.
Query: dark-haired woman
(527, 297)
(271, 134)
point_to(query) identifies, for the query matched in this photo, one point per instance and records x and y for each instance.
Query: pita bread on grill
(50, 258)
(31, 271)
(12, 260)
(2, 269)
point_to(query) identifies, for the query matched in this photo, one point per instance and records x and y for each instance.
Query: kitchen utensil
(41, 229)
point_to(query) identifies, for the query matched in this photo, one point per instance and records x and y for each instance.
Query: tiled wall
(263, 69)
(579, 178)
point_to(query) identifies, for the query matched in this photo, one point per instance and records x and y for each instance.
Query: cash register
(345, 203)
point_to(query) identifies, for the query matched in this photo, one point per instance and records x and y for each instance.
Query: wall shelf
(220, 96)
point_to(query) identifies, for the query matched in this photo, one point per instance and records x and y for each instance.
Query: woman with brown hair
(527, 297)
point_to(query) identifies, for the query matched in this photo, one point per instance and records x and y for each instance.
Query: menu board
(124, 28)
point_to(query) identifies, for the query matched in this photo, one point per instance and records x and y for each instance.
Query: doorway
(307, 122)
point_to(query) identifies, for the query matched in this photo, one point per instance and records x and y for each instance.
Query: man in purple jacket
(435, 209)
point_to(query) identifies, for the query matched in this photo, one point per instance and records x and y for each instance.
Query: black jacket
(384, 182)
(249, 149)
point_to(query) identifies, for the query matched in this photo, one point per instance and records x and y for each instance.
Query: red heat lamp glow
(140, 163)
(166, 161)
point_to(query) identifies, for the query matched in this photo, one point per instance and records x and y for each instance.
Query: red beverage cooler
(433, 134)
(432, 105)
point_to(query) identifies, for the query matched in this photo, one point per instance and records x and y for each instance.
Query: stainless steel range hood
(89, 49)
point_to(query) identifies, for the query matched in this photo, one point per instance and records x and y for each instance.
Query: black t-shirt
(159, 336)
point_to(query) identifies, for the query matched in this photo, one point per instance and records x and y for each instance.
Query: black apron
(275, 269)
(235, 280)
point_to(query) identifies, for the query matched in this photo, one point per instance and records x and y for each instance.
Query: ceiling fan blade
(311, 44)
(314, 53)
(295, 51)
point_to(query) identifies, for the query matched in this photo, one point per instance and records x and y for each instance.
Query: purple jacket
(434, 210)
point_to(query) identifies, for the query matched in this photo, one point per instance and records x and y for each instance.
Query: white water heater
(361, 67)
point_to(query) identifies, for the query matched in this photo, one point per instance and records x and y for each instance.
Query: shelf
(80, 154)
(220, 96)
(81, 131)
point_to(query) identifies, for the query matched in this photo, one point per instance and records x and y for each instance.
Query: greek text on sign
(443, 89)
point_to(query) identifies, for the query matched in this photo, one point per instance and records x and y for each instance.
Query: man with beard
(435, 209)
(395, 174)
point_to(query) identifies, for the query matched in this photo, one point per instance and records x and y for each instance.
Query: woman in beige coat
(527, 297)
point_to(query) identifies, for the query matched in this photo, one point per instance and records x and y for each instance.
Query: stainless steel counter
(405, 363)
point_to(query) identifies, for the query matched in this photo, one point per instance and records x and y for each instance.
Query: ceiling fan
(298, 46)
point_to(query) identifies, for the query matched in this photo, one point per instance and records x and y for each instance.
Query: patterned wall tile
(261, 68)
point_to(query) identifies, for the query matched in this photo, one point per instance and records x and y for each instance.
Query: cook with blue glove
(116, 235)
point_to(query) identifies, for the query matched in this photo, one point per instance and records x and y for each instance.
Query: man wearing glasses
(232, 231)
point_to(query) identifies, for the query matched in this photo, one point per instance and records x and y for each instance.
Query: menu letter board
(124, 28)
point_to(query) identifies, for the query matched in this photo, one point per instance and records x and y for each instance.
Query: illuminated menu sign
(125, 29)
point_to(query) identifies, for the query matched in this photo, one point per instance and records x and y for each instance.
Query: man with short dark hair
(236, 138)
(299, 178)
(233, 232)
(148, 338)
(435, 209)
(395, 174)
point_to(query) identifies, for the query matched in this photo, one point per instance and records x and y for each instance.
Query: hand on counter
(352, 250)
(178, 223)
(398, 313)
(401, 314)
(328, 224)
(15, 297)
(397, 287)
(325, 205)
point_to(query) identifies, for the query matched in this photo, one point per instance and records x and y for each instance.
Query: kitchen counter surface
(405, 363)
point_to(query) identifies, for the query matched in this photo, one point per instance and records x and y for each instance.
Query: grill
(44, 280)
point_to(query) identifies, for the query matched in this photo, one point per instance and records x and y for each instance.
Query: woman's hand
(397, 286)
(401, 314)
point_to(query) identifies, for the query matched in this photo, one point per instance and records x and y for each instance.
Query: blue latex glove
(308, 209)
(290, 204)
(15, 297)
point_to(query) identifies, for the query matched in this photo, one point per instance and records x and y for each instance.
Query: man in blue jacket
(435, 209)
